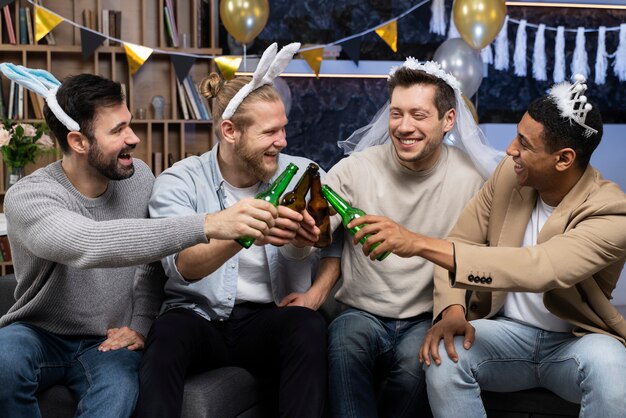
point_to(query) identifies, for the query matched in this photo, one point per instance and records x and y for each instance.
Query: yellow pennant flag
(136, 55)
(313, 57)
(44, 22)
(389, 33)
(228, 66)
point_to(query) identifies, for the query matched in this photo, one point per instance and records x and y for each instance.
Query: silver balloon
(285, 93)
(463, 62)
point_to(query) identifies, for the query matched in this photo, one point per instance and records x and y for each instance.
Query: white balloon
(463, 62)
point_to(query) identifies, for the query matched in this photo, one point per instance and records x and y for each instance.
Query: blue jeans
(510, 356)
(31, 360)
(373, 365)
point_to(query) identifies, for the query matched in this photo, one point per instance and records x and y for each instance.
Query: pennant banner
(137, 55)
(89, 42)
(313, 57)
(182, 64)
(44, 22)
(228, 66)
(389, 34)
(352, 48)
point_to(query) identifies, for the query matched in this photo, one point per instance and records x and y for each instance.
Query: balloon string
(245, 68)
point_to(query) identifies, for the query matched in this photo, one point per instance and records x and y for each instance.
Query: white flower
(29, 130)
(45, 142)
(5, 137)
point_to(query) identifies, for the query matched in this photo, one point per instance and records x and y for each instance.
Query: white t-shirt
(528, 307)
(253, 282)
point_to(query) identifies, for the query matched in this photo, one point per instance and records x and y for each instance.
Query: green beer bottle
(272, 195)
(296, 199)
(348, 213)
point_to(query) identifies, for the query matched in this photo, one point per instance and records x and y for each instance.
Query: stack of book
(192, 105)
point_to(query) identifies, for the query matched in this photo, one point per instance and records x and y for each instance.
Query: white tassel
(619, 65)
(601, 58)
(580, 63)
(438, 18)
(487, 55)
(453, 32)
(501, 61)
(559, 56)
(519, 54)
(539, 54)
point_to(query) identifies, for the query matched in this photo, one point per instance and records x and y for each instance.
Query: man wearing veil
(413, 177)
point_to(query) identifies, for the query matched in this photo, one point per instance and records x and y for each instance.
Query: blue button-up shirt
(195, 185)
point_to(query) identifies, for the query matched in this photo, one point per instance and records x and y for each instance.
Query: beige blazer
(577, 261)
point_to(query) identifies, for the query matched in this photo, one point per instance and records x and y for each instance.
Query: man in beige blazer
(541, 247)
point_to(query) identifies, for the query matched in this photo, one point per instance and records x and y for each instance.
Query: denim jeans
(373, 365)
(510, 356)
(31, 360)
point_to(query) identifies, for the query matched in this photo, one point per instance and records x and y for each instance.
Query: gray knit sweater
(76, 258)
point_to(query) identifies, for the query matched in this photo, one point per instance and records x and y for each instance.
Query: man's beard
(109, 168)
(253, 162)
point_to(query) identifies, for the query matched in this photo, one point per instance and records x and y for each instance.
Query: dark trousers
(286, 344)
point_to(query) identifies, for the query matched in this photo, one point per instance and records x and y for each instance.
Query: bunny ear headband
(270, 66)
(44, 84)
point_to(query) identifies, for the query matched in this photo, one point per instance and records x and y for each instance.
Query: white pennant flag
(539, 54)
(619, 65)
(559, 55)
(438, 17)
(501, 61)
(601, 58)
(519, 55)
(580, 63)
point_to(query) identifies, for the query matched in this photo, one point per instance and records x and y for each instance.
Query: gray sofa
(233, 392)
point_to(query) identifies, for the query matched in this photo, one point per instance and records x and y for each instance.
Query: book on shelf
(23, 30)
(170, 8)
(36, 102)
(171, 41)
(20, 102)
(105, 26)
(5, 247)
(118, 24)
(11, 100)
(29, 26)
(182, 101)
(10, 29)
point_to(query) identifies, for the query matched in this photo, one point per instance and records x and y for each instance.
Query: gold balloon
(471, 107)
(244, 19)
(479, 21)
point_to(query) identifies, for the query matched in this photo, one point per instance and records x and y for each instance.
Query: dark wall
(327, 110)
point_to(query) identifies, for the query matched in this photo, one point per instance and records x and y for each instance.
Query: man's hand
(452, 323)
(308, 300)
(290, 227)
(122, 337)
(247, 218)
(391, 236)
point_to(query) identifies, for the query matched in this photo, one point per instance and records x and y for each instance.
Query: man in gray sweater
(78, 232)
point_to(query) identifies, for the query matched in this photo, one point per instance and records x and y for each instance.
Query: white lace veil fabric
(465, 134)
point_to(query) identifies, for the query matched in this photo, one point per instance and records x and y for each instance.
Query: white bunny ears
(270, 66)
(44, 84)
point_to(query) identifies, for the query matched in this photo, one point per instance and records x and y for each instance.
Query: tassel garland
(601, 58)
(559, 56)
(501, 61)
(539, 54)
(519, 55)
(580, 63)
(619, 65)
(438, 18)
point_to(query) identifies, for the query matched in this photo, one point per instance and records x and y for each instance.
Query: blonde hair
(214, 87)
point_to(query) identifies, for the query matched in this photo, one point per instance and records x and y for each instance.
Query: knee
(305, 329)
(351, 332)
(441, 376)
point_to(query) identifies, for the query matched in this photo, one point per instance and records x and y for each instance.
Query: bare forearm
(199, 261)
(437, 251)
(327, 275)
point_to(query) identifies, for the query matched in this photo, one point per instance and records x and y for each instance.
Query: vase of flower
(13, 175)
(21, 144)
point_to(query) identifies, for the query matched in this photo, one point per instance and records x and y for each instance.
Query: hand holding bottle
(384, 235)
(248, 217)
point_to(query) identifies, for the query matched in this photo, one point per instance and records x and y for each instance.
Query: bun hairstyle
(211, 85)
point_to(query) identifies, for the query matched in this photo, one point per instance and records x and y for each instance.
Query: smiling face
(110, 152)
(534, 163)
(259, 145)
(415, 127)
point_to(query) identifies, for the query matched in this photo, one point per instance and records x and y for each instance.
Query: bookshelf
(143, 23)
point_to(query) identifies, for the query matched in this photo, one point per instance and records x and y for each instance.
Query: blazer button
(483, 279)
(489, 280)
(470, 277)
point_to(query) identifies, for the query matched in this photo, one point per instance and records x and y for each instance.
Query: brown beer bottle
(318, 208)
(296, 199)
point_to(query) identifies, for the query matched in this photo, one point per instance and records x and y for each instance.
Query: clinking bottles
(272, 195)
(318, 208)
(296, 199)
(348, 213)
